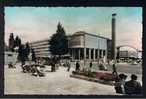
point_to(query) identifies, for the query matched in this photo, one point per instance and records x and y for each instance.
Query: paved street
(58, 82)
(128, 68)
(54, 83)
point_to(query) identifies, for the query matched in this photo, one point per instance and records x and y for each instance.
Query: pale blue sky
(36, 23)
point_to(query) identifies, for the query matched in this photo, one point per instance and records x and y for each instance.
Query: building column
(79, 53)
(89, 54)
(98, 56)
(84, 53)
(71, 53)
(94, 54)
(106, 55)
(102, 53)
(74, 53)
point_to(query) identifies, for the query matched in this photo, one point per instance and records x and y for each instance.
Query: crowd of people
(131, 87)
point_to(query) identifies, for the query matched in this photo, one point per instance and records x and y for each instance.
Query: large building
(82, 45)
(41, 48)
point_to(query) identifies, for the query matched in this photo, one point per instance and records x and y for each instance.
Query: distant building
(128, 53)
(95, 46)
(41, 48)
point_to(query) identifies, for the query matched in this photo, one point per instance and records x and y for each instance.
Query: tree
(27, 49)
(58, 42)
(17, 41)
(11, 42)
(33, 55)
(21, 54)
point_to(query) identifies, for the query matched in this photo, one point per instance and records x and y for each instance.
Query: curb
(111, 83)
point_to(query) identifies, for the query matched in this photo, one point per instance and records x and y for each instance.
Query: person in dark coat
(53, 62)
(91, 64)
(133, 86)
(77, 66)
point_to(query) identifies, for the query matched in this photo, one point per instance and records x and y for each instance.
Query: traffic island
(100, 77)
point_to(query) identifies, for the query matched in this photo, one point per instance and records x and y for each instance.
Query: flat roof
(75, 34)
(39, 41)
(83, 32)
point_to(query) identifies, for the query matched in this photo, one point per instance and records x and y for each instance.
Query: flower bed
(105, 78)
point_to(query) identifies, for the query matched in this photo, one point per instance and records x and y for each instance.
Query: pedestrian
(133, 86)
(119, 85)
(52, 65)
(90, 64)
(77, 66)
(68, 66)
(114, 70)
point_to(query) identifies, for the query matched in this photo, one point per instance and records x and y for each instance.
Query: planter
(92, 79)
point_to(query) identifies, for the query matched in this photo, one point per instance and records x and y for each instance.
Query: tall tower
(113, 51)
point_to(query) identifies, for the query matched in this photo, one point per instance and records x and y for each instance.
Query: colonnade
(90, 53)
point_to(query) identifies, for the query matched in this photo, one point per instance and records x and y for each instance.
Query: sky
(38, 23)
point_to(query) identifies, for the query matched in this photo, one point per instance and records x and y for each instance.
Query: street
(54, 83)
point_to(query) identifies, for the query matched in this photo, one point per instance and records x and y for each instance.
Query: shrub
(107, 78)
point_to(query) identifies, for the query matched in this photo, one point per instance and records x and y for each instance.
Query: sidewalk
(54, 83)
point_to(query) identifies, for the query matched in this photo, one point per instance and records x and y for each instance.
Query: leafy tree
(58, 42)
(17, 41)
(21, 53)
(11, 42)
(27, 49)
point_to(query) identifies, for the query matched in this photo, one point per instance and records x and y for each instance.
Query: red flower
(101, 74)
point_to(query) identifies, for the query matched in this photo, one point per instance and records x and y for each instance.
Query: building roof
(83, 32)
(39, 41)
(75, 34)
